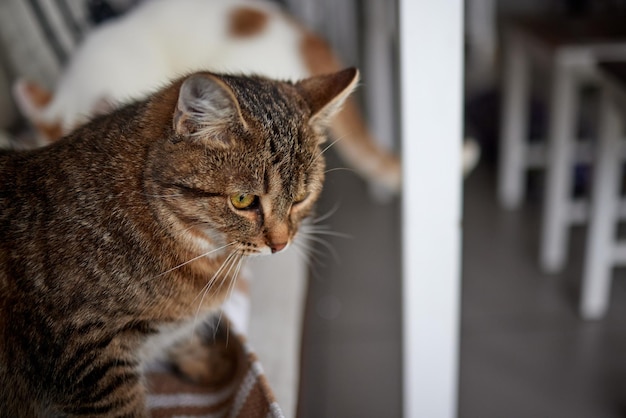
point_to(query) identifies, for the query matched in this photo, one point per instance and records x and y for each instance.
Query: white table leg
(513, 129)
(560, 143)
(604, 215)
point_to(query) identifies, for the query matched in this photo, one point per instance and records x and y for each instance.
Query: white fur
(154, 349)
(130, 57)
(162, 39)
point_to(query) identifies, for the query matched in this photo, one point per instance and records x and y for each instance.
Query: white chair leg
(604, 215)
(560, 145)
(513, 129)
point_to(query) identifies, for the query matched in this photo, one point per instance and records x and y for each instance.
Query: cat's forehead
(278, 124)
(277, 145)
(287, 162)
(274, 107)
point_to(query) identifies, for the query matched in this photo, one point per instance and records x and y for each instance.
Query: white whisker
(194, 259)
(324, 150)
(327, 215)
(340, 169)
(305, 252)
(312, 256)
(227, 273)
(322, 227)
(326, 232)
(325, 244)
(236, 274)
(206, 288)
(309, 251)
(233, 282)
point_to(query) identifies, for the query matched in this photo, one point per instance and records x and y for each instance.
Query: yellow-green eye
(300, 197)
(242, 200)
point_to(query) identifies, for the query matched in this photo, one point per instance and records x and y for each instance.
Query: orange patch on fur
(38, 96)
(246, 21)
(361, 150)
(242, 285)
(318, 57)
(50, 131)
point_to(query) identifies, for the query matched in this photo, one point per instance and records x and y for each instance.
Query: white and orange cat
(129, 57)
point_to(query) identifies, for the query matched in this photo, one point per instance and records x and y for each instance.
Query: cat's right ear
(325, 94)
(206, 105)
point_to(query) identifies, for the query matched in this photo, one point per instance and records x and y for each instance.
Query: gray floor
(351, 342)
(524, 351)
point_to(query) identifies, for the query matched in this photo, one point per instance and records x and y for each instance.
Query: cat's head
(242, 165)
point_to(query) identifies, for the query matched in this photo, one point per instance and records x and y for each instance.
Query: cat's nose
(277, 246)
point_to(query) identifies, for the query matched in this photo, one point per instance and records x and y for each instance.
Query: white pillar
(431, 43)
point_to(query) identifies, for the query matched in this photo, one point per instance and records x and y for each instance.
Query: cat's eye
(300, 197)
(243, 201)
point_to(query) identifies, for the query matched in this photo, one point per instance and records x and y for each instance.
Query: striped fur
(125, 228)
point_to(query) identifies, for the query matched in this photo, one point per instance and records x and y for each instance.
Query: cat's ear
(206, 105)
(326, 93)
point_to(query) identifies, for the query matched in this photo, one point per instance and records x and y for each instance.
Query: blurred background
(542, 320)
(542, 306)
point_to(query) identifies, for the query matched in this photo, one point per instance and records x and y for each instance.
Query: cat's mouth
(251, 249)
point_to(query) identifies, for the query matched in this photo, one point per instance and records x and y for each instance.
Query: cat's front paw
(210, 361)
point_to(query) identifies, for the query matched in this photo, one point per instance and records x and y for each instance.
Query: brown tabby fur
(97, 229)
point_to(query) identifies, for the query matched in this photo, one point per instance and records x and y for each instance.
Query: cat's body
(159, 40)
(137, 222)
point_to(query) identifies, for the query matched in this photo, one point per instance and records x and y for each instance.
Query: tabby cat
(137, 222)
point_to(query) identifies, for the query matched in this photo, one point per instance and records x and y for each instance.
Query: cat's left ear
(206, 105)
(326, 93)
